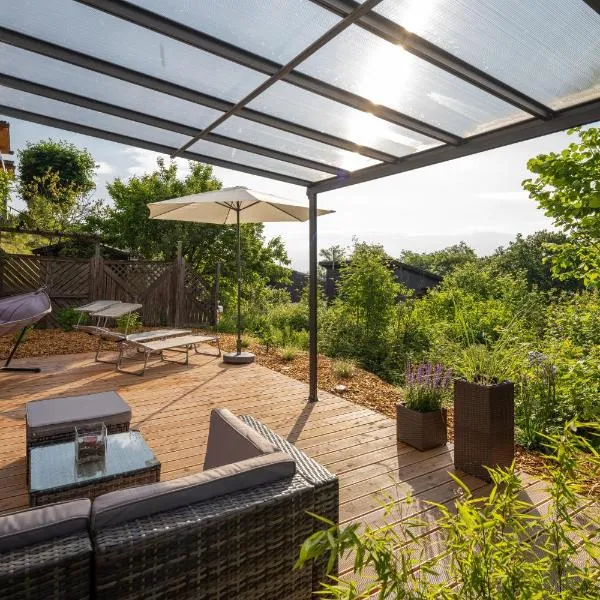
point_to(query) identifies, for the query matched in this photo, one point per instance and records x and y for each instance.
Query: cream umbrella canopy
(232, 206)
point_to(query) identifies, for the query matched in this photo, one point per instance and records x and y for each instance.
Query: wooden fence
(171, 293)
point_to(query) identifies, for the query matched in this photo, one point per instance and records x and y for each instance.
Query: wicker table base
(55, 476)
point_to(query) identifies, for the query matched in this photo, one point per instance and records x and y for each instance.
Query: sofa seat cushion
(124, 505)
(37, 525)
(231, 440)
(58, 415)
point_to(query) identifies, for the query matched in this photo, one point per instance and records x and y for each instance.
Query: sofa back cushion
(124, 505)
(231, 440)
(44, 523)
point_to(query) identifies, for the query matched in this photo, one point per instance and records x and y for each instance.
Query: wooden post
(216, 295)
(179, 293)
(94, 279)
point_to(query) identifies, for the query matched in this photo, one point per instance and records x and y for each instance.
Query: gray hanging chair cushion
(19, 311)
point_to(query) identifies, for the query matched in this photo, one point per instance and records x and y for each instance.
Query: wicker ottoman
(52, 421)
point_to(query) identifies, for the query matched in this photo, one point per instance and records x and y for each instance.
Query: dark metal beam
(18, 113)
(396, 34)
(285, 70)
(178, 31)
(594, 5)
(97, 65)
(312, 297)
(511, 134)
(131, 115)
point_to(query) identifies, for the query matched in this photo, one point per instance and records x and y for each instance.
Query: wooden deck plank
(171, 405)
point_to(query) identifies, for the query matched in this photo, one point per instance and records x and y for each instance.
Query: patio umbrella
(232, 206)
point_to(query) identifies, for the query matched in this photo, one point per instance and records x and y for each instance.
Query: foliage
(343, 368)
(359, 323)
(55, 179)
(130, 322)
(67, 318)
(289, 353)
(427, 386)
(75, 169)
(442, 262)
(531, 256)
(335, 254)
(497, 547)
(127, 225)
(566, 186)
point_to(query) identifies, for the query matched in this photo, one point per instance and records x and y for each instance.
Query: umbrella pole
(239, 285)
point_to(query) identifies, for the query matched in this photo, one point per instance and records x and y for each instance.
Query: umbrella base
(243, 358)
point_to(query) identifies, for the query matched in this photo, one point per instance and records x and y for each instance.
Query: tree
(531, 256)
(567, 188)
(334, 254)
(442, 262)
(55, 180)
(127, 225)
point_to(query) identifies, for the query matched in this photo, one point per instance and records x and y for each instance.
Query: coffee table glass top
(53, 466)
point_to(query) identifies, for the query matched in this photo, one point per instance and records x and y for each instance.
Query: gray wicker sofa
(231, 531)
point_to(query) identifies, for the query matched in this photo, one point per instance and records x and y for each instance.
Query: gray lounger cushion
(59, 415)
(231, 440)
(136, 502)
(44, 523)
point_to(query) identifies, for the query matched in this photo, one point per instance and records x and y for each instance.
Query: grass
(343, 368)
(289, 353)
(247, 341)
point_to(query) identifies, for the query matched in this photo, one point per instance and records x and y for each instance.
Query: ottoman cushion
(60, 415)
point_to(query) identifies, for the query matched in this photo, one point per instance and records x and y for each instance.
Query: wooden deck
(171, 405)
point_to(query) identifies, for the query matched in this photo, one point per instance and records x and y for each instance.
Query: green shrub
(130, 322)
(497, 547)
(67, 318)
(343, 368)
(247, 341)
(289, 353)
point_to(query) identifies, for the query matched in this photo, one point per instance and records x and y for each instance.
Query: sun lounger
(180, 344)
(106, 335)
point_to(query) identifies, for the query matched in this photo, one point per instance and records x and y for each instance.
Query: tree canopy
(531, 255)
(442, 262)
(127, 224)
(567, 187)
(55, 179)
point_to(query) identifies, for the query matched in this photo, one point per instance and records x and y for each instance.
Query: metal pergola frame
(542, 119)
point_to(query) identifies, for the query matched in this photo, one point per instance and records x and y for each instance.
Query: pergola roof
(319, 93)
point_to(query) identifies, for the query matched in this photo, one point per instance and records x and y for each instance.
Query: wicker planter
(421, 430)
(484, 426)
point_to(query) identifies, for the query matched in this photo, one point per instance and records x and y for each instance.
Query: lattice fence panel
(198, 302)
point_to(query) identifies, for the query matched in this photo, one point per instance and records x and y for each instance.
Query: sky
(478, 199)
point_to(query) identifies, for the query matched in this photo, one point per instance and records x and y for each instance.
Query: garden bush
(67, 318)
(496, 547)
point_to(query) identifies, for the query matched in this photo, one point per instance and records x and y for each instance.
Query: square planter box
(421, 430)
(484, 426)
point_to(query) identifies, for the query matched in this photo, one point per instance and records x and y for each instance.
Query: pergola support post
(312, 294)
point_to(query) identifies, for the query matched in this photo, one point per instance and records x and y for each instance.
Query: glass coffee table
(54, 475)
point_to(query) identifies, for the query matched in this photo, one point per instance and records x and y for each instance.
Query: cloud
(141, 161)
(103, 168)
(507, 196)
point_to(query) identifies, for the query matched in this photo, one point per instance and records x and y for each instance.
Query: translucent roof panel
(547, 49)
(254, 160)
(90, 118)
(291, 103)
(255, 133)
(275, 29)
(83, 82)
(373, 68)
(93, 32)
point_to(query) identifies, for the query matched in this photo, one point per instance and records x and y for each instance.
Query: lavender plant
(427, 386)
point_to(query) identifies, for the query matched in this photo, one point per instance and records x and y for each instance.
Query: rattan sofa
(232, 531)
